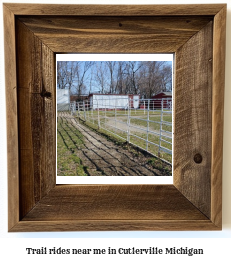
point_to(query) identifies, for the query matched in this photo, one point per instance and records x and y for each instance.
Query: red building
(77, 98)
(157, 100)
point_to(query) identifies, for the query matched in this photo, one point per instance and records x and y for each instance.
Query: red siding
(157, 99)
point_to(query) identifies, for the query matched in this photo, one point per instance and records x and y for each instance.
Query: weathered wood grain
(114, 225)
(37, 128)
(194, 201)
(218, 115)
(115, 207)
(100, 25)
(48, 94)
(29, 185)
(36, 118)
(114, 10)
(112, 44)
(48, 149)
(11, 115)
(108, 202)
(115, 34)
(193, 126)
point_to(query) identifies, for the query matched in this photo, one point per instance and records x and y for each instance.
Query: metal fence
(148, 125)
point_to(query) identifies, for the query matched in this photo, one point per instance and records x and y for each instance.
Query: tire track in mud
(102, 157)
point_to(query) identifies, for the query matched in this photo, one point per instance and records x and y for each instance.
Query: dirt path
(121, 124)
(102, 157)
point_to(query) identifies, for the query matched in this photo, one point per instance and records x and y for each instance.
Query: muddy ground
(102, 157)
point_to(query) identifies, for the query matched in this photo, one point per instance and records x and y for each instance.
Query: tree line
(146, 78)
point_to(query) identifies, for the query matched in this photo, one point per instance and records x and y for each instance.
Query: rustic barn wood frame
(34, 33)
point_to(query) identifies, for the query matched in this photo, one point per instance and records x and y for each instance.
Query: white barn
(63, 99)
(112, 101)
(63, 96)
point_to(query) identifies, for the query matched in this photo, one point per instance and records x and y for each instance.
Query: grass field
(69, 139)
(136, 138)
(119, 138)
(112, 113)
(138, 118)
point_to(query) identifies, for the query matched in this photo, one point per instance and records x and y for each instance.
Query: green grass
(112, 113)
(153, 125)
(69, 139)
(110, 136)
(121, 139)
(153, 161)
(141, 121)
(152, 148)
(158, 164)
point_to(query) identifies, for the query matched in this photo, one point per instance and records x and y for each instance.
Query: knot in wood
(45, 94)
(198, 158)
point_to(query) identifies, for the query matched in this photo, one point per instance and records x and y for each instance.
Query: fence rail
(148, 125)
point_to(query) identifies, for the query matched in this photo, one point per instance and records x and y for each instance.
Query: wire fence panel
(146, 123)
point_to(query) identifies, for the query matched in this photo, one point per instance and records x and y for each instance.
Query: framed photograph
(34, 35)
(114, 118)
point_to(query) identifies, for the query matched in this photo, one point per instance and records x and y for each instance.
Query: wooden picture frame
(34, 33)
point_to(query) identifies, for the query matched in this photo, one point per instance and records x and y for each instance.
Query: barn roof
(167, 93)
(113, 94)
(163, 93)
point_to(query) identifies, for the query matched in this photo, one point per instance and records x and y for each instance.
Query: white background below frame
(114, 179)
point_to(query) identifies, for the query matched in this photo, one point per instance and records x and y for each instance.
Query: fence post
(87, 113)
(98, 114)
(84, 110)
(92, 116)
(161, 122)
(71, 108)
(115, 115)
(74, 107)
(78, 110)
(147, 124)
(128, 121)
